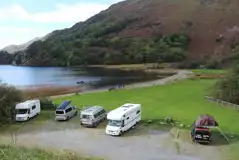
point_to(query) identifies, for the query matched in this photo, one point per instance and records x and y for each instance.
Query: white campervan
(123, 118)
(27, 110)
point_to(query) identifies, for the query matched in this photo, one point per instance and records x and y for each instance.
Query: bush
(9, 96)
(227, 88)
(47, 104)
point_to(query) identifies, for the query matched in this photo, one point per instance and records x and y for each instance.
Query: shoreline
(179, 75)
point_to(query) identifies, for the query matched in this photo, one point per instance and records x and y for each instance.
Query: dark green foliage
(99, 43)
(9, 96)
(227, 88)
(47, 104)
(6, 58)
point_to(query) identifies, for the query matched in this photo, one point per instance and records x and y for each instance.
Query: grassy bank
(183, 101)
(15, 153)
(45, 91)
(209, 71)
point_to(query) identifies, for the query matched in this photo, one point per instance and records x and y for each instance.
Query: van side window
(138, 112)
(96, 115)
(33, 107)
(99, 113)
(68, 110)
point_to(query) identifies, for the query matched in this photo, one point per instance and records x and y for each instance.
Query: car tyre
(120, 133)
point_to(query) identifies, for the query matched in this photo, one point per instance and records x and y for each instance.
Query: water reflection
(60, 76)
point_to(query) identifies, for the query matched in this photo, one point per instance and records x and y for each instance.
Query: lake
(21, 76)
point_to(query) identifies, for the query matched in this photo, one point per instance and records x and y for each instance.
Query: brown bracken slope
(206, 20)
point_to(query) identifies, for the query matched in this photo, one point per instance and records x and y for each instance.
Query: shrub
(47, 104)
(9, 96)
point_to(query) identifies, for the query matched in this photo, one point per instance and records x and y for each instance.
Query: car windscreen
(22, 111)
(115, 123)
(59, 112)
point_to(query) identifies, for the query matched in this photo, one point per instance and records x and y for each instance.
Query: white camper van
(27, 110)
(123, 118)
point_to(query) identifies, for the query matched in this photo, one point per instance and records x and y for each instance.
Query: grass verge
(183, 101)
(19, 153)
(209, 71)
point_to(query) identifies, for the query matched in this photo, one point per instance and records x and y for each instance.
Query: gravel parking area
(141, 143)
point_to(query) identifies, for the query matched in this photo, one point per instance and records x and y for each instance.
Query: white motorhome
(123, 118)
(27, 110)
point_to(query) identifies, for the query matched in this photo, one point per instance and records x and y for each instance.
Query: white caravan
(27, 110)
(123, 118)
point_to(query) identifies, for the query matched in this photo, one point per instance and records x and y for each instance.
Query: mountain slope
(136, 31)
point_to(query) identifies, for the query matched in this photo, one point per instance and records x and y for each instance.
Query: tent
(206, 120)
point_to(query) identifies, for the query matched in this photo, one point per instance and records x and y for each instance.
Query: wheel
(67, 118)
(120, 133)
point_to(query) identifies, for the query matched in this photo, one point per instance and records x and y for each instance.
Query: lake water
(60, 76)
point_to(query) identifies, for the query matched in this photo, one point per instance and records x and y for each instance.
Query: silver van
(65, 111)
(92, 116)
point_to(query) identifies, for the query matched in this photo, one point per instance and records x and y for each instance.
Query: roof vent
(127, 106)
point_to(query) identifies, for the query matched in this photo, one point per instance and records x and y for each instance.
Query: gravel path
(138, 144)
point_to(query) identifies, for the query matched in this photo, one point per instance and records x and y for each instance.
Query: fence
(222, 103)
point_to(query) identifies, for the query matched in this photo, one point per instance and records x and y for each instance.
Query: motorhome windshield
(59, 112)
(22, 111)
(114, 123)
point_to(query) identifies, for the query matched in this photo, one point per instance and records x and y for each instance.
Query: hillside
(137, 31)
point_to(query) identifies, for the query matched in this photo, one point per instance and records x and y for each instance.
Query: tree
(9, 96)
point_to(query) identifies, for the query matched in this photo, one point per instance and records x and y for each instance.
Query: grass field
(183, 101)
(15, 153)
(209, 71)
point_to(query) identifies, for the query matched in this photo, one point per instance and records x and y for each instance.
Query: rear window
(85, 116)
(204, 132)
(59, 112)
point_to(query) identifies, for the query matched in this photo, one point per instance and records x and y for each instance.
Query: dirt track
(141, 143)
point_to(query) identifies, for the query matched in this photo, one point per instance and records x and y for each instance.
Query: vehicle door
(67, 112)
(33, 110)
(101, 115)
(70, 111)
